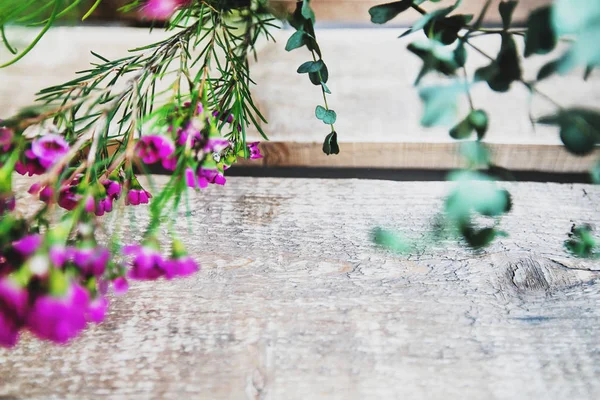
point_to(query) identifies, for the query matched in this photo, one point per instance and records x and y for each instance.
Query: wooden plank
(295, 302)
(371, 76)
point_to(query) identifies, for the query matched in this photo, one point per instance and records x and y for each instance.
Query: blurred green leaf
(476, 153)
(330, 145)
(431, 16)
(579, 128)
(506, 9)
(549, 69)
(476, 193)
(580, 18)
(477, 120)
(505, 69)
(445, 30)
(320, 112)
(391, 240)
(440, 104)
(588, 72)
(460, 54)
(540, 37)
(435, 58)
(384, 12)
(478, 238)
(581, 242)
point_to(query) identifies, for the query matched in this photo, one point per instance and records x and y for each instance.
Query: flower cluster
(55, 276)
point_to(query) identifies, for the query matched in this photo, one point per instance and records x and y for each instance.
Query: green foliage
(440, 104)
(431, 18)
(579, 128)
(327, 116)
(384, 12)
(330, 144)
(581, 241)
(303, 19)
(435, 58)
(580, 18)
(391, 240)
(505, 69)
(540, 37)
(477, 121)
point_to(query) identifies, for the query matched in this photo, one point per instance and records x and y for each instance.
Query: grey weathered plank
(295, 302)
(371, 76)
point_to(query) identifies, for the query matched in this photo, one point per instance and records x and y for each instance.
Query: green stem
(38, 38)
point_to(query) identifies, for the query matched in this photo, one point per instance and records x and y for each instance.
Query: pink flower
(211, 175)
(113, 189)
(225, 116)
(137, 196)
(154, 148)
(103, 206)
(194, 181)
(27, 245)
(147, 263)
(97, 309)
(254, 150)
(48, 149)
(216, 145)
(90, 261)
(182, 266)
(161, 9)
(6, 137)
(120, 285)
(184, 133)
(13, 307)
(59, 319)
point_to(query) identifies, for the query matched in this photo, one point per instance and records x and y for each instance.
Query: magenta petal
(120, 285)
(28, 245)
(97, 309)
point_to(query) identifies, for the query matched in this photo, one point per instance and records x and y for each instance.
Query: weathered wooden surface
(295, 302)
(371, 76)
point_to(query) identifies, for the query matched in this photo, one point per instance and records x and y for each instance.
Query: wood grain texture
(295, 302)
(378, 108)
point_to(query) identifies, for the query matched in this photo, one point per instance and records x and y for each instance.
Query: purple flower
(6, 137)
(13, 307)
(59, 319)
(27, 245)
(97, 309)
(223, 117)
(90, 261)
(216, 145)
(120, 285)
(137, 196)
(59, 255)
(48, 149)
(182, 266)
(154, 148)
(254, 150)
(184, 133)
(103, 206)
(30, 166)
(211, 175)
(161, 9)
(194, 181)
(113, 189)
(169, 163)
(147, 263)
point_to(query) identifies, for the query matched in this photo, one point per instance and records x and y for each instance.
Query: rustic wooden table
(295, 302)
